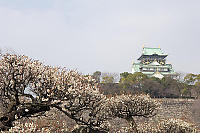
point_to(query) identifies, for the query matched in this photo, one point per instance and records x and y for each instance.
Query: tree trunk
(7, 119)
(133, 125)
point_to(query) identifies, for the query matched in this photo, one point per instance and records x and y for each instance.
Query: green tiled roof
(163, 73)
(151, 51)
(136, 67)
(161, 66)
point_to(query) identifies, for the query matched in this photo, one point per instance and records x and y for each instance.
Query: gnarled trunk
(6, 120)
(133, 125)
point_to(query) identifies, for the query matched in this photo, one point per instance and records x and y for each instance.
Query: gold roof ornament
(143, 46)
(158, 46)
(157, 74)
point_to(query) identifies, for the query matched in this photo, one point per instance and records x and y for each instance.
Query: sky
(102, 35)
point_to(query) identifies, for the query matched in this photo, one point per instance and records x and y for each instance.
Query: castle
(152, 62)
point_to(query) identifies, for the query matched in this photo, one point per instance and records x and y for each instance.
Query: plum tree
(52, 87)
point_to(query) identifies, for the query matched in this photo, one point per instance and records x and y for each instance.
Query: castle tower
(152, 62)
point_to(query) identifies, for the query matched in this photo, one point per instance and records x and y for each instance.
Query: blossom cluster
(23, 127)
(177, 126)
(126, 106)
(164, 126)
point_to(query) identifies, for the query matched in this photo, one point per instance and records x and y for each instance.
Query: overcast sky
(104, 35)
